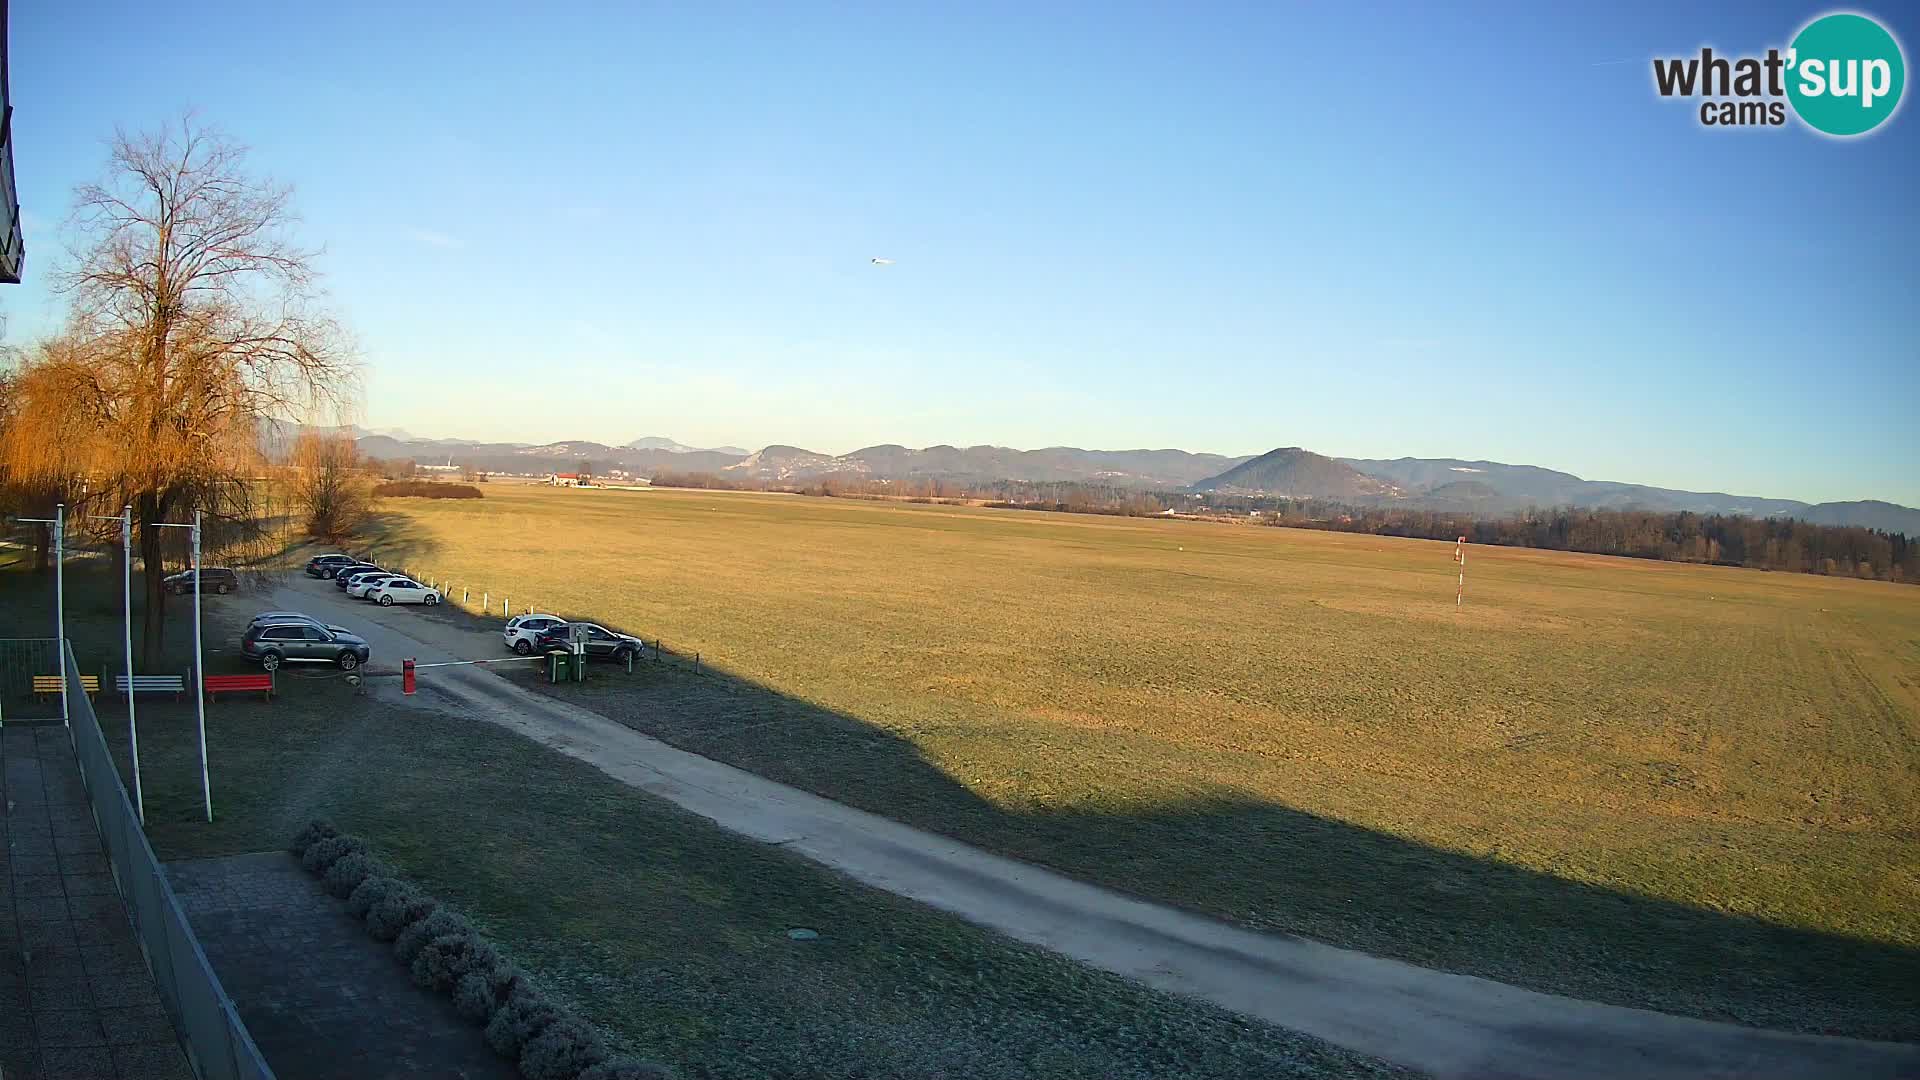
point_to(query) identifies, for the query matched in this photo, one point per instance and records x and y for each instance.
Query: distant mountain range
(1447, 484)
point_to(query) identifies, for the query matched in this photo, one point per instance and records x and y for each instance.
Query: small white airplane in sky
(881, 262)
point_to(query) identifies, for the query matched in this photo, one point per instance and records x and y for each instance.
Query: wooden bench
(46, 686)
(234, 684)
(152, 684)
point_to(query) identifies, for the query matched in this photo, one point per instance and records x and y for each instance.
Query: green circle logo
(1845, 74)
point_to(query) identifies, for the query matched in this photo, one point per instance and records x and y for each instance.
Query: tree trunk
(42, 542)
(153, 572)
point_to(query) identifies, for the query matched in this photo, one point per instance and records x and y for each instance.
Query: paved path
(76, 999)
(1449, 1025)
(322, 999)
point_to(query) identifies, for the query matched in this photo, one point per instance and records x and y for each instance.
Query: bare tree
(329, 486)
(193, 324)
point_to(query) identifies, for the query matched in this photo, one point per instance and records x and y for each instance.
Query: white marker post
(60, 605)
(199, 663)
(1460, 556)
(200, 671)
(126, 607)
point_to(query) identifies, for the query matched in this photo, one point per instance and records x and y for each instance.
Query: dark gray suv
(215, 579)
(274, 643)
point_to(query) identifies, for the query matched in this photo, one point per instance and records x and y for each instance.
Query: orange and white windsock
(1460, 556)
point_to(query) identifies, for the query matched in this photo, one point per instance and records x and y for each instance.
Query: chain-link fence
(217, 1042)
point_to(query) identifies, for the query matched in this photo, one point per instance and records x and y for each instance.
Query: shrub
(445, 959)
(562, 1050)
(315, 832)
(525, 1015)
(627, 1069)
(369, 892)
(348, 871)
(427, 489)
(324, 853)
(399, 909)
(482, 991)
(414, 938)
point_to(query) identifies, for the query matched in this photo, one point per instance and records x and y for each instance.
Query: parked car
(323, 566)
(217, 579)
(344, 576)
(274, 643)
(290, 616)
(600, 641)
(523, 631)
(403, 590)
(363, 584)
(336, 570)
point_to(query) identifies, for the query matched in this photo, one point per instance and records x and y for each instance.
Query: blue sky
(1371, 231)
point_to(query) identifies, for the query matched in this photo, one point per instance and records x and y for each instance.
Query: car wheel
(328, 574)
(270, 661)
(523, 647)
(432, 600)
(620, 656)
(222, 590)
(386, 601)
(349, 661)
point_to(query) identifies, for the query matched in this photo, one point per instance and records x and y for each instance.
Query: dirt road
(1449, 1025)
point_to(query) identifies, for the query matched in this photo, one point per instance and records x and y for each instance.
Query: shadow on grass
(1274, 867)
(391, 540)
(1268, 865)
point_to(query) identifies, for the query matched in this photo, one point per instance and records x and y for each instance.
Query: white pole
(1460, 556)
(199, 672)
(126, 604)
(60, 604)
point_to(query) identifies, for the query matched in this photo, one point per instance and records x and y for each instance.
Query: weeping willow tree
(193, 328)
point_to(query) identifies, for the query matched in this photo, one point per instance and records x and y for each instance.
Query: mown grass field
(665, 930)
(1690, 788)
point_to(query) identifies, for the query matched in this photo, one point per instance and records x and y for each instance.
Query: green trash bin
(558, 665)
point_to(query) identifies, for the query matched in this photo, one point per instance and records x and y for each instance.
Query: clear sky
(1370, 231)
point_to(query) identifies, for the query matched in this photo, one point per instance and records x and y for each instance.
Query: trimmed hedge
(444, 952)
(562, 1050)
(525, 1015)
(393, 913)
(324, 853)
(316, 831)
(370, 892)
(441, 923)
(348, 871)
(627, 1069)
(447, 958)
(481, 992)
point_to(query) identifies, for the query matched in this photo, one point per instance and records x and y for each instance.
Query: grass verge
(667, 931)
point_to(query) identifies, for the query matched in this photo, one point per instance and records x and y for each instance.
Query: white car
(364, 585)
(523, 629)
(400, 590)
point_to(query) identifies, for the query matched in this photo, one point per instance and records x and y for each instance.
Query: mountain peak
(1297, 473)
(661, 442)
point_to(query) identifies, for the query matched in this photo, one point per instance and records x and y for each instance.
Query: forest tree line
(1721, 539)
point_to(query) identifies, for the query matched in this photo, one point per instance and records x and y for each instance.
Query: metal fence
(217, 1042)
(20, 660)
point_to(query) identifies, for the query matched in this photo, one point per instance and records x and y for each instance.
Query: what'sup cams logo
(1842, 76)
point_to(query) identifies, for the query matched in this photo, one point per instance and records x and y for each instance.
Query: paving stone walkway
(322, 999)
(76, 999)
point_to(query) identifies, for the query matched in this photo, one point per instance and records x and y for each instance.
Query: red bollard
(406, 676)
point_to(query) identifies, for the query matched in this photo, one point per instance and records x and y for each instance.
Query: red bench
(233, 684)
